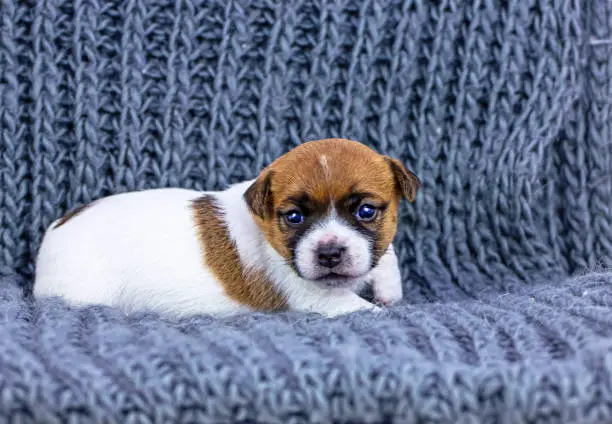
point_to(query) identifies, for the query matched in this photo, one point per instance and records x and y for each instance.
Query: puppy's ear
(258, 196)
(407, 183)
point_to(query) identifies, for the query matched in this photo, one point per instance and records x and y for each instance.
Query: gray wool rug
(502, 108)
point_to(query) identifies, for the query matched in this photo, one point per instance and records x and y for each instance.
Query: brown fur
(347, 167)
(71, 214)
(251, 288)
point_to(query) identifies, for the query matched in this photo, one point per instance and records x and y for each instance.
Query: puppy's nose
(330, 254)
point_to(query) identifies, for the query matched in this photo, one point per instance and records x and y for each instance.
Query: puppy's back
(145, 238)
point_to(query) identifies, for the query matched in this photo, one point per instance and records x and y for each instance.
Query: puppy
(305, 235)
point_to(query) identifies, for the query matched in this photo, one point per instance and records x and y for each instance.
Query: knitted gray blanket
(502, 108)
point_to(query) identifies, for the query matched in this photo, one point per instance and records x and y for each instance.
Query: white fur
(325, 166)
(134, 251)
(386, 279)
(140, 251)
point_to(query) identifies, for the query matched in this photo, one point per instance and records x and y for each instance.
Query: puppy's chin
(339, 282)
(336, 281)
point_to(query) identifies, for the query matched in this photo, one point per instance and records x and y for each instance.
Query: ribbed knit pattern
(502, 108)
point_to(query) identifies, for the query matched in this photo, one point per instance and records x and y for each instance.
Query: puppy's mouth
(333, 276)
(339, 277)
(336, 280)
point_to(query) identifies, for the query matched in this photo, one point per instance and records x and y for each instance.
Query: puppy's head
(329, 207)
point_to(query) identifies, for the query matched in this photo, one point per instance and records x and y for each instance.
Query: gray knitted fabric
(502, 108)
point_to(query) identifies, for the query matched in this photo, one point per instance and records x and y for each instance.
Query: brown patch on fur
(248, 287)
(71, 214)
(327, 171)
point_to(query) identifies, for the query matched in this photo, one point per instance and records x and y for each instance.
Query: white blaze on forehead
(327, 172)
(325, 166)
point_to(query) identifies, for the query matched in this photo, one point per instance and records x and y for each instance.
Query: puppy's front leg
(330, 302)
(386, 279)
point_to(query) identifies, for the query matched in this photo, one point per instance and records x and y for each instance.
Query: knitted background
(502, 108)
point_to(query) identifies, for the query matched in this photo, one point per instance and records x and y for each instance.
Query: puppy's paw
(387, 288)
(376, 309)
(388, 297)
(386, 280)
(346, 304)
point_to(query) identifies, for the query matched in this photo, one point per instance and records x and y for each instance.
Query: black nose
(330, 255)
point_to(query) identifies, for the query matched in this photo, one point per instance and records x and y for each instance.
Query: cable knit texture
(502, 108)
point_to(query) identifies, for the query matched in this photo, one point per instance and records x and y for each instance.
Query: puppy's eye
(294, 217)
(366, 212)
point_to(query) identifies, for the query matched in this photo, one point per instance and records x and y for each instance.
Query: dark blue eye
(366, 212)
(294, 217)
